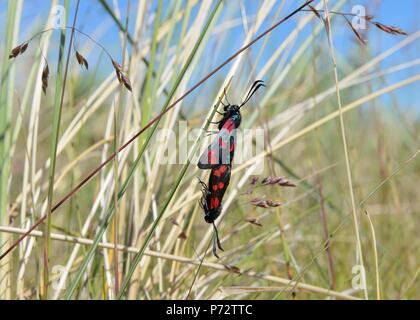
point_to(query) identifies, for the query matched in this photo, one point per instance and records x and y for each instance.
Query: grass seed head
(356, 33)
(44, 78)
(390, 29)
(122, 78)
(262, 203)
(254, 221)
(281, 181)
(182, 236)
(233, 269)
(81, 60)
(20, 49)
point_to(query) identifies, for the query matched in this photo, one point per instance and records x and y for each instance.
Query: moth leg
(210, 132)
(225, 96)
(203, 184)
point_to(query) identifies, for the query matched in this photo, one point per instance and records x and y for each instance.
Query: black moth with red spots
(218, 157)
(222, 149)
(211, 201)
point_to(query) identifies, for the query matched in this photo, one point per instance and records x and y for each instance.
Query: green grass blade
(58, 106)
(6, 104)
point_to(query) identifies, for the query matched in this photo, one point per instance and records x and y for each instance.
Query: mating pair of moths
(218, 157)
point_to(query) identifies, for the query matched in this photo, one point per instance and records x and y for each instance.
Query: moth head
(231, 108)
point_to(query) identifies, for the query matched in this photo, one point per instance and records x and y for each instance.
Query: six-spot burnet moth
(218, 157)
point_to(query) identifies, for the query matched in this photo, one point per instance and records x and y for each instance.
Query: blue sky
(403, 13)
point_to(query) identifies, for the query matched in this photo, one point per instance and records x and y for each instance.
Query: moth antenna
(252, 88)
(255, 86)
(251, 94)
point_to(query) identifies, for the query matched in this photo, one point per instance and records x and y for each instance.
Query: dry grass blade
(212, 265)
(375, 255)
(225, 292)
(359, 250)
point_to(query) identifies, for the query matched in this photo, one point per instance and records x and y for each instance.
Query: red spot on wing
(222, 169)
(222, 143)
(220, 185)
(215, 187)
(214, 203)
(217, 172)
(229, 125)
(211, 156)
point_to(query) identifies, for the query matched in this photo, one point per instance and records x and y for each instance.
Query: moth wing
(218, 182)
(220, 151)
